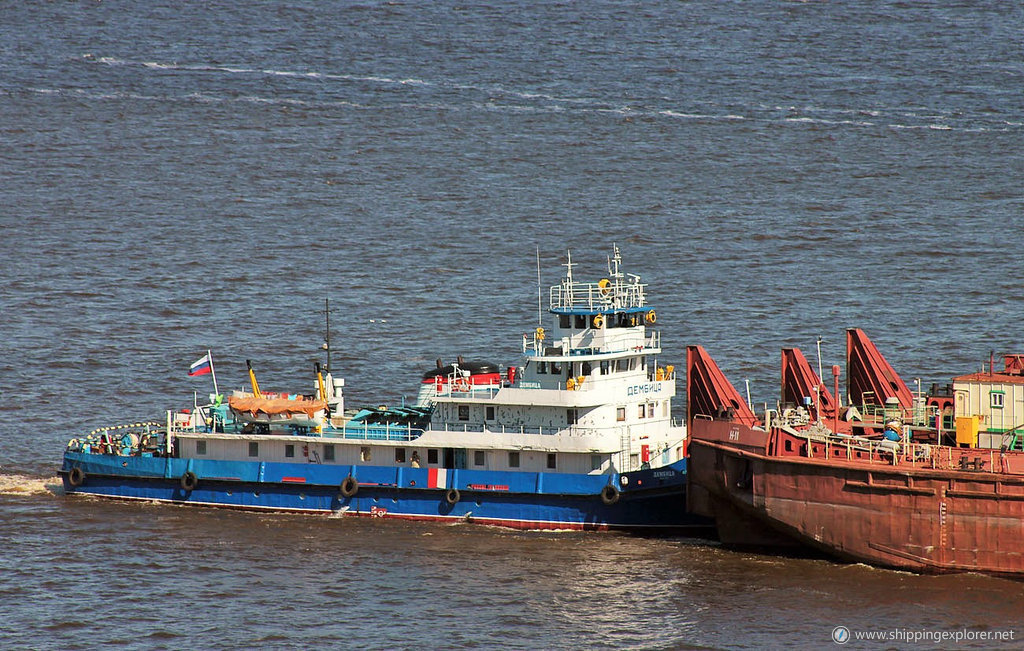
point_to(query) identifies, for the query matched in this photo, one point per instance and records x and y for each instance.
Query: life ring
(540, 334)
(570, 384)
(439, 384)
(609, 495)
(189, 481)
(349, 486)
(452, 496)
(76, 477)
(651, 317)
(605, 286)
(598, 321)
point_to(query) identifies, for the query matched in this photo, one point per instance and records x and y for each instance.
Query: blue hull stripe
(654, 499)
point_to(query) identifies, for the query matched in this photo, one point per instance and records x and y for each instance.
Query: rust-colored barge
(818, 475)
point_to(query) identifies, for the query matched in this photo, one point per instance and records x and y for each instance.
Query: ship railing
(918, 415)
(593, 297)
(571, 430)
(375, 432)
(906, 453)
(534, 343)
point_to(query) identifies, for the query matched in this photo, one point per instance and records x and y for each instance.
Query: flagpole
(209, 355)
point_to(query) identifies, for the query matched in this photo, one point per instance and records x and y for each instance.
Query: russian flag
(201, 366)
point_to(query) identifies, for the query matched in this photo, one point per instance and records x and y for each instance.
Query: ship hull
(651, 500)
(918, 519)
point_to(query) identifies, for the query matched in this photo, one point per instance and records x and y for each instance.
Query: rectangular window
(563, 320)
(432, 457)
(254, 449)
(620, 414)
(399, 455)
(552, 458)
(463, 412)
(581, 321)
(556, 368)
(595, 462)
(513, 459)
(200, 447)
(571, 416)
(643, 361)
(478, 458)
(542, 368)
(289, 450)
(641, 411)
(604, 367)
(490, 412)
(329, 452)
(364, 453)
(650, 410)
(997, 398)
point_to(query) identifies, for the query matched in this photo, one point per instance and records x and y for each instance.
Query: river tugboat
(579, 435)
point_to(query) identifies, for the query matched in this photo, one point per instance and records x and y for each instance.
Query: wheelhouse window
(641, 411)
(432, 457)
(556, 368)
(595, 462)
(581, 321)
(254, 449)
(650, 410)
(513, 459)
(552, 459)
(620, 414)
(489, 413)
(604, 367)
(479, 458)
(542, 368)
(399, 455)
(200, 447)
(563, 320)
(364, 453)
(463, 412)
(289, 450)
(329, 452)
(572, 416)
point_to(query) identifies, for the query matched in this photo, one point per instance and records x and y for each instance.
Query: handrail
(924, 455)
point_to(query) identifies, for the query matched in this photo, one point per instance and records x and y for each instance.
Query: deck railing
(902, 454)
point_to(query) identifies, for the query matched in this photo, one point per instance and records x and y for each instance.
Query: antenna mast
(327, 338)
(540, 313)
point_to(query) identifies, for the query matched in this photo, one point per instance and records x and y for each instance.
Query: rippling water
(176, 178)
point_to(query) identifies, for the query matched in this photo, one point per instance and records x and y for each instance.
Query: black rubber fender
(349, 486)
(76, 477)
(609, 495)
(452, 496)
(189, 481)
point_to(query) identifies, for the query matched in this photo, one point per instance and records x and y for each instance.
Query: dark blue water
(176, 177)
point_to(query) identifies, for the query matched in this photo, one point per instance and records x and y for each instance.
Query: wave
(16, 484)
(525, 101)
